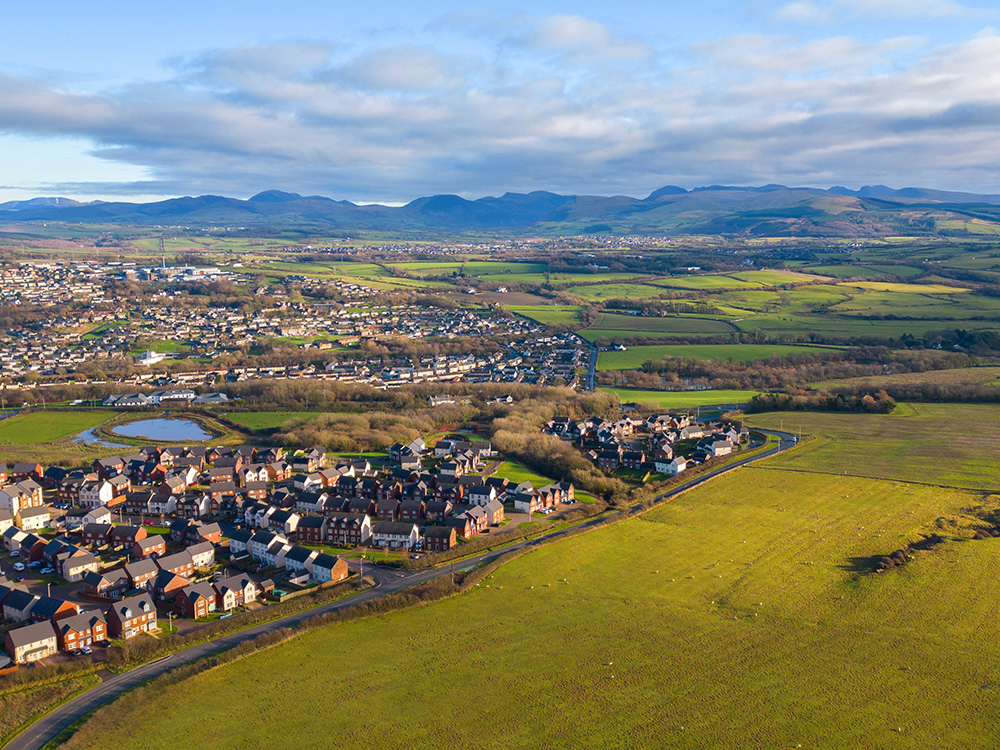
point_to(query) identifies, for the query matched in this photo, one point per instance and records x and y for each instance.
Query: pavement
(387, 581)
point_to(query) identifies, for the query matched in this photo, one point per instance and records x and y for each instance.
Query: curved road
(388, 580)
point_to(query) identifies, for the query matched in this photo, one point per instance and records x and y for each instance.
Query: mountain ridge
(756, 210)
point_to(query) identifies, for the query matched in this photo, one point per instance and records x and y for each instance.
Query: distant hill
(768, 210)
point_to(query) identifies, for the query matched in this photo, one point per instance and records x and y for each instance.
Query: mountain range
(769, 210)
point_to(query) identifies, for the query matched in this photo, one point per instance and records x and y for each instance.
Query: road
(388, 580)
(592, 365)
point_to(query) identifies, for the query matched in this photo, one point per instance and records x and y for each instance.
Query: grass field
(517, 473)
(635, 356)
(266, 420)
(963, 376)
(549, 315)
(680, 399)
(665, 326)
(952, 445)
(46, 426)
(600, 292)
(734, 616)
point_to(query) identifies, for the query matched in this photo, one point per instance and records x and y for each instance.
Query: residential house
(111, 584)
(390, 535)
(298, 558)
(439, 538)
(32, 519)
(202, 554)
(96, 533)
(670, 467)
(141, 573)
(31, 643)
(348, 529)
(151, 546)
(74, 566)
(52, 609)
(311, 530)
(126, 536)
(329, 568)
(84, 629)
(179, 563)
(167, 585)
(17, 605)
(235, 591)
(131, 616)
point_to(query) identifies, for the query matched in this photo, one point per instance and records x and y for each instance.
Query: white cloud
(581, 39)
(395, 122)
(820, 12)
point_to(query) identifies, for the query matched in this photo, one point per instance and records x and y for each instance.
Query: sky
(389, 101)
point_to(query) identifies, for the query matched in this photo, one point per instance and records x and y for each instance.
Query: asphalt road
(388, 580)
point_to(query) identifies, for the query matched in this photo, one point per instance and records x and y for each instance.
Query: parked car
(35, 564)
(47, 571)
(87, 650)
(19, 566)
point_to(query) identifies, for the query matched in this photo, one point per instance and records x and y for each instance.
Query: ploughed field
(741, 614)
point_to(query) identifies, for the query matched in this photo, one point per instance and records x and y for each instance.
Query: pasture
(549, 315)
(680, 399)
(962, 376)
(626, 324)
(952, 445)
(601, 292)
(733, 616)
(636, 356)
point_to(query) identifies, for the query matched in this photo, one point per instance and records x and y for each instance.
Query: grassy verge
(19, 710)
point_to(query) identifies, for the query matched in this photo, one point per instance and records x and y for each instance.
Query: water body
(88, 437)
(162, 429)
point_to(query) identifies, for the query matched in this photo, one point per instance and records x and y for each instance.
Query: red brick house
(196, 601)
(97, 533)
(150, 546)
(83, 629)
(179, 563)
(311, 530)
(111, 584)
(131, 616)
(412, 510)
(348, 529)
(387, 510)
(127, 535)
(439, 538)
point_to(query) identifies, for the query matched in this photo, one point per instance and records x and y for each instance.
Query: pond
(88, 437)
(162, 429)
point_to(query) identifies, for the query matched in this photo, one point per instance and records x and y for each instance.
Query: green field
(47, 426)
(266, 420)
(962, 376)
(952, 445)
(517, 473)
(680, 399)
(708, 282)
(626, 325)
(601, 292)
(867, 270)
(738, 615)
(549, 315)
(635, 356)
